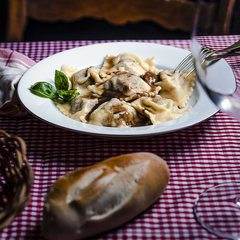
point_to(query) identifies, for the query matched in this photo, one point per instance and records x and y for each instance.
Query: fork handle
(218, 57)
(232, 47)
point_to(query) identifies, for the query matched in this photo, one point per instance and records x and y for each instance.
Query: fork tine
(189, 72)
(186, 66)
(184, 63)
(206, 51)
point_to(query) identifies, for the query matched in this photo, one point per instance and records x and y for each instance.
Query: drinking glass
(218, 208)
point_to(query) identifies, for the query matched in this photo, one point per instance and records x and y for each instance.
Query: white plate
(166, 57)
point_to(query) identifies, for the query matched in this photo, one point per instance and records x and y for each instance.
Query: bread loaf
(103, 196)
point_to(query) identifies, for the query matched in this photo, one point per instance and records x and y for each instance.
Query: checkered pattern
(198, 157)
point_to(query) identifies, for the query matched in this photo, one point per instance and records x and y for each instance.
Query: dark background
(89, 29)
(92, 29)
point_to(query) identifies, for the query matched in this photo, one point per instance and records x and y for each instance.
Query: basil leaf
(60, 93)
(68, 92)
(44, 89)
(71, 91)
(74, 95)
(61, 81)
(68, 95)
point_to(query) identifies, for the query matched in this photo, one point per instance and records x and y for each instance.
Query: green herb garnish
(44, 89)
(61, 81)
(59, 93)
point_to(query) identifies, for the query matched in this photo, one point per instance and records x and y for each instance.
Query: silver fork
(187, 64)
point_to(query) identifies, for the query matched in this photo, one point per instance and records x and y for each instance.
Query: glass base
(218, 210)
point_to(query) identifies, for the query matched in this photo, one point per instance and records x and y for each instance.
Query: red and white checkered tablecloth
(198, 157)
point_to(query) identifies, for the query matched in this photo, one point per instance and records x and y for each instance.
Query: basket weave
(16, 177)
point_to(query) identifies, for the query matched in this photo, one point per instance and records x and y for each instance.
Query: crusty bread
(101, 197)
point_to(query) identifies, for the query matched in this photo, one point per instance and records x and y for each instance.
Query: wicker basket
(16, 177)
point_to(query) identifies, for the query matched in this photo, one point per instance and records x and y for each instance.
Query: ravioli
(177, 88)
(127, 91)
(126, 62)
(81, 106)
(116, 113)
(128, 84)
(158, 109)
